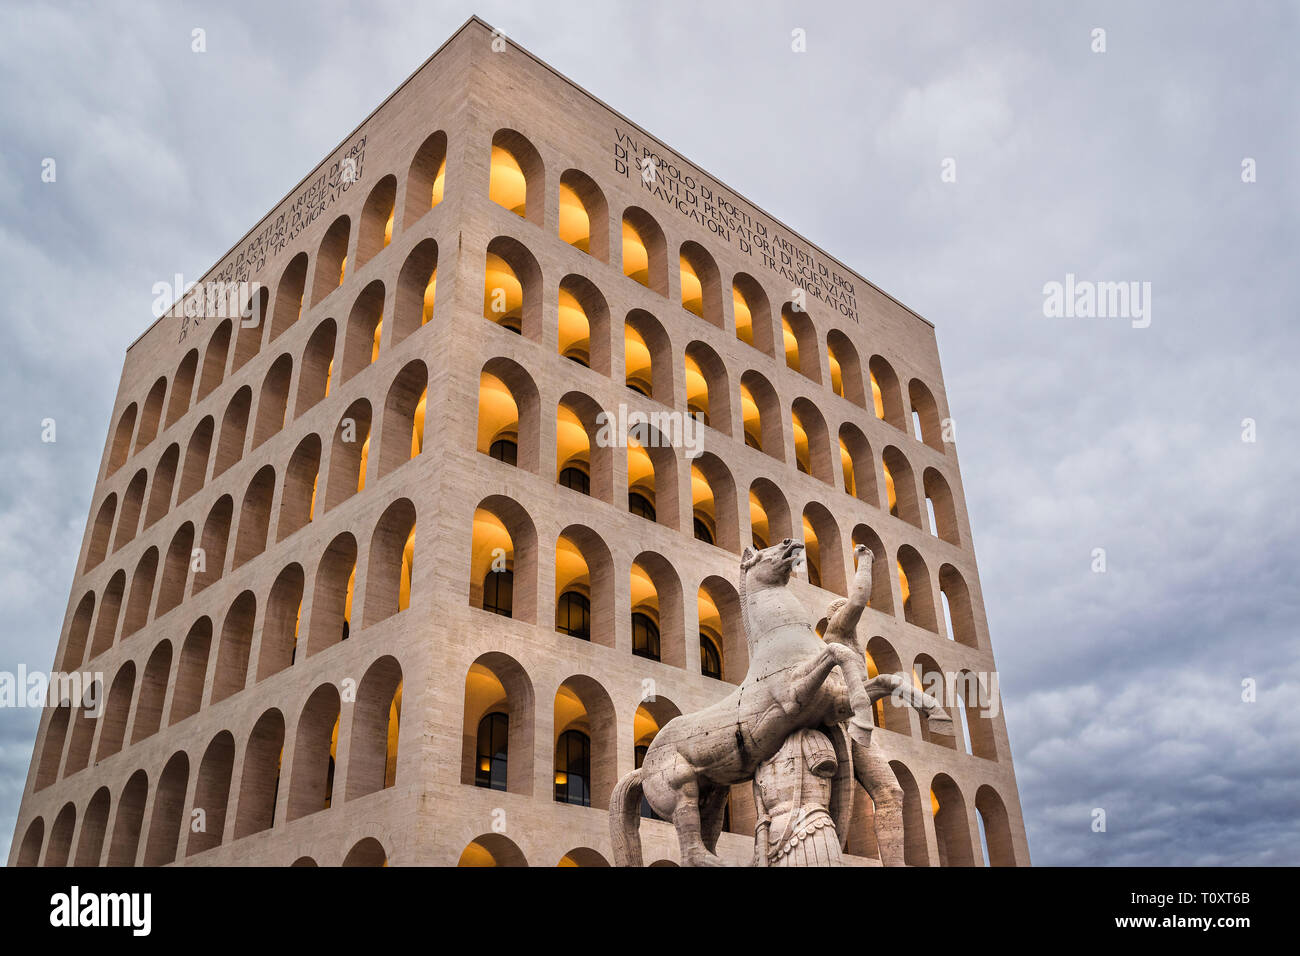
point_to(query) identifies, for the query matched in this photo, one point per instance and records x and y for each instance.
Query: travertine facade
(300, 524)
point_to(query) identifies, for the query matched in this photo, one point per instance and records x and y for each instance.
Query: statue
(796, 682)
(793, 794)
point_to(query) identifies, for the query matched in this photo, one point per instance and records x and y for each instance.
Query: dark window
(710, 659)
(638, 388)
(802, 467)
(702, 532)
(639, 504)
(575, 478)
(504, 449)
(645, 636)
(699, 412)
(573, 615)
(573, 768)
(752, 442)
(499, 592)
(759, 543)
(493, 752)
(578, 357)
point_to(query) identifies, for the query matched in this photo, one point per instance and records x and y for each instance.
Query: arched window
(417, 287)
(376, 230)
(640, 505)
(331, 259)
(573, 768)
(575, 478)
(426, 180)
(710, 658)
(645, 252)
(493, 754)
(498, 592)
(509, 415)
(645, 636)
(701, 285)
(516, 175)
(288, 295)
(584, 214)
(573, 615)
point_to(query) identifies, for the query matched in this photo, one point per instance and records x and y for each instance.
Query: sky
(1164, 689)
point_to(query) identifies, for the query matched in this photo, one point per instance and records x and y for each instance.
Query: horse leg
(894, 685)
(807, 679)
(712, 809)
(686, 820)
(877, 777)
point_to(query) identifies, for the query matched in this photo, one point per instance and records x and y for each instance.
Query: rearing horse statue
(794, 681)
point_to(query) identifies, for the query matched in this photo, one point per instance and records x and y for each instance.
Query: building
(366, 582)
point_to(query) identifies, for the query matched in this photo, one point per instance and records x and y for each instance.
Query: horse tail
(625, 820)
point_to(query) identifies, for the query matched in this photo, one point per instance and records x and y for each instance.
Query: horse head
(770, 567)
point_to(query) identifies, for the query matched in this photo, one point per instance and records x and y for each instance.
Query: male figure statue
(792, 793)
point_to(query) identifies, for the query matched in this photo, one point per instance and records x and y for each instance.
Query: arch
(857, 466)
(182, 388)
(215, 357)
(426, 180)
(101, 530)
(94, 827)
(496, 684)
(153, 692)
(366, 852)
(996, 825)
(584, 214)
(391, 563)
(886, 395)
(117, 709)
(236, 643)
(120, 449)
(405, 405)
(311, 781)
(950, 827)
(234, 430)
(509, 411)
(915, 851)
(168, 810)
(74, 652)
(303, 861)
(900, 487)
(248, 338)
(769, 514)
(259, 785)
(958, 610)
(280, 626)
(195, 470)
(492, 849)
(583, 323)
(128, 823)
(845, 367)
(417, 286)
(582, 856)
(150, 417)
(656, 594)
(720, 621)
(56, 734)
(652, 486)
(701, 284)
(761, 415)
(882, 596)
(584, 586)
(273, 402)
(753, 313)
(164, 481)
(375, 230)
(516, 173)
(977, 700)
(301, 478)
(503, 548)
(29, 851)
(349, 454)
(714, 505)
(317, 367)
(647, 356)
(890, 713)
(823, 549)
(331, 606)
(812, 447)
(376, 719)
(708, 392)
(650, 716)
(914, 578)
(927, 427)
(582, 461)
(128, 521)
(142, 585)
(928, 676)
(288, 295)
(799, 340)
(211, 562)
(110, 608)
(60, 845)
(85, 719)
(512, 288)
(191, 671)
(331, 259)
(582, 706)
(364, 330)
(255, 517)
(942, 509)
(212, 793)
(644, 250)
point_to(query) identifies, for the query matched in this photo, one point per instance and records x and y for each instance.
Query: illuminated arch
(496, 684)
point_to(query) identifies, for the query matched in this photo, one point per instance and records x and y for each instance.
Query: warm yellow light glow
(426, 312)
(343, 269)
(877, 398)
(575, 222)
(347, 598)
(902, 581)
(890, 493)
(710, 616)
(408, 564)
(388, 227)
(575, 328)
(791, 344)
(640, 469)
(567, 860)
(439, 183)
(570, 713)
(503, 293)
(702, 502)
(506, 184)
(484, 693)
(571, 571)
(417, 426)
(645, 598)
(750, 416)
(801, 453)
(697, 387)
(744, 316)
(636, 359)
(379, 334)
(498, 414)
(361, 468)
(846, 462)
(644, 727)
(489, 541)
(311, 508)
(394, 727)
(692, 289)
(476, 855)
(811, 550)
(837, 375)
(636, 258)
(934, 804)
(572, 444)
(329, 377)
(758, 518)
